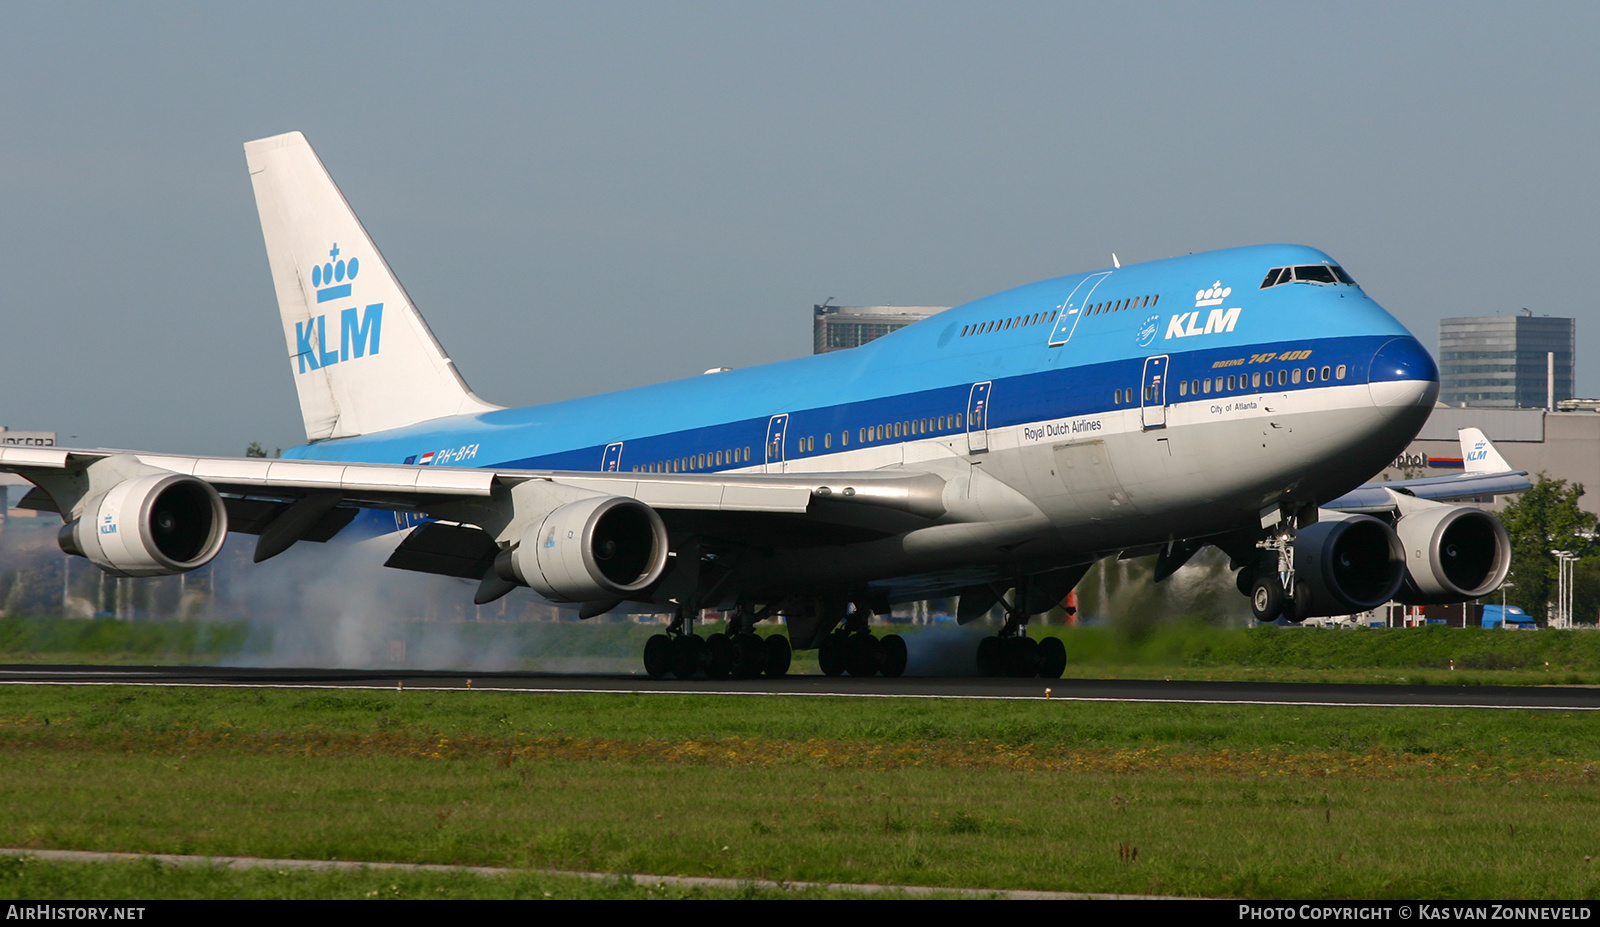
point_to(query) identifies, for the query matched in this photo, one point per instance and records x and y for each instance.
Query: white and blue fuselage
(1131, 406)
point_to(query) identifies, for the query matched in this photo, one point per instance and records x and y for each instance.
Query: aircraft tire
(779, 655)
(989, 656)
(1266, 597)
(1023, 654)
(1300, 606)
(830, 654)
(719, 650)
(893, 649)
(1052, 658)
(689, 656)
(658, 656)
(749, 656)
(862, 654)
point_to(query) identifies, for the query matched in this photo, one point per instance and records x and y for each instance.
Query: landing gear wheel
(1052, 658)
(779, 655)
(658, 656)
(1023, 657)
(1266, 597)
(989, 656)
(862, 654)
(749, 656)
(720, 652)
(830, 654)
(893, 650)
(1300, 606)
(689, 656)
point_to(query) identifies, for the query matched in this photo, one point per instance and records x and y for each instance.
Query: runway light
(469, 683)
(1047, 693)
(400, 685)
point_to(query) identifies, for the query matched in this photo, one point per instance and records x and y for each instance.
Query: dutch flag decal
(425, 459)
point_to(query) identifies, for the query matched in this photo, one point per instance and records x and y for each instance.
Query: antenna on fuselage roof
(1114, 262)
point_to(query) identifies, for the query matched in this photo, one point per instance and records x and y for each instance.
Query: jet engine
(1346, 564)
(1453, 553)
(606, 547)
(155, 525)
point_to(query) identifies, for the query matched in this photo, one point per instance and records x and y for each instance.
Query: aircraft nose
(1403, 374)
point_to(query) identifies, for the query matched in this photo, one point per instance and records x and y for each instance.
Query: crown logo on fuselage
(330, 279)
(1212, 296)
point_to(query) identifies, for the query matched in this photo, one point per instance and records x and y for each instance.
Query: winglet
(1478, 454)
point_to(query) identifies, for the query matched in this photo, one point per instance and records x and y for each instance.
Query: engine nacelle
(1453, 553)
(155, 525)
(1346, 564)
(607, 547)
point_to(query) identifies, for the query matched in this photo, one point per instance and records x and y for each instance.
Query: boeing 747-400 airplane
(1234, 398)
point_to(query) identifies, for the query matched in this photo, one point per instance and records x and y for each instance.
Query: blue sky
(591, 196)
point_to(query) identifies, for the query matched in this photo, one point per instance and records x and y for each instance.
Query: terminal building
(834, 328)
(1518, 361)
(1563, 444)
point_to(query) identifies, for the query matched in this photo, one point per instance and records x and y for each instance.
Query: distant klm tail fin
(362, 357)
(1478, 454)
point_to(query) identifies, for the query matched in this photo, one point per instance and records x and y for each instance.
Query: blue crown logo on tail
(330, 278)
(359, 332)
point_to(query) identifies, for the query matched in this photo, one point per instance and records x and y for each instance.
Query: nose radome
(1403, 374)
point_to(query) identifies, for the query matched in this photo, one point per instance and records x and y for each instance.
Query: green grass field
(1262, 802)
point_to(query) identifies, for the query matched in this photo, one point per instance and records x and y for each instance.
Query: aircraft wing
(285, 501)
(1484, 473)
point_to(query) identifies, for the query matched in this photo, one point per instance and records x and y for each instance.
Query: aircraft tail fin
(362, 357)
(1478, 454)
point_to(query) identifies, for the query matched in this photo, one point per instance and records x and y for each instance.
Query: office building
(1502, 362)
(834, 328)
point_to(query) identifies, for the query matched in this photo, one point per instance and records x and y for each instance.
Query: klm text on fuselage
(358, 336)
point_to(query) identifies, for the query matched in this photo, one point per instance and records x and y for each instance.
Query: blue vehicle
(1509, 617)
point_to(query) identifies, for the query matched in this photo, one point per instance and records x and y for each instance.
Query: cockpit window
(1307, 273)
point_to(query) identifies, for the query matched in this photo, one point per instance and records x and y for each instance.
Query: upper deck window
(1307, 273)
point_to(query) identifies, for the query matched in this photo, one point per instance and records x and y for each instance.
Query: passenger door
(978, 417)
(1153, 393)
(777, 429)
(1072, 309)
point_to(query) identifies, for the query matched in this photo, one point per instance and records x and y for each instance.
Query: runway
(1553, 698)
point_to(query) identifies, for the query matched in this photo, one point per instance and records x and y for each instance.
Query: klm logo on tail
(359, 332)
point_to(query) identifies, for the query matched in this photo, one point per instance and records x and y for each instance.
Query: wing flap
(446, 550)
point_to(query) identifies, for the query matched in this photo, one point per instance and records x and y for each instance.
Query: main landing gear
(1013, 653)
(853, 649)
(738, 653)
